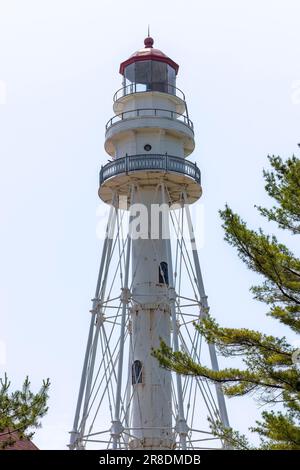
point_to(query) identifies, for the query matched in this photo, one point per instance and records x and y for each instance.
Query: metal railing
(143, 88)
(157, 162)
(149, 112)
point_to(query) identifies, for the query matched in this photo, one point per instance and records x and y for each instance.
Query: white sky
(59, 60)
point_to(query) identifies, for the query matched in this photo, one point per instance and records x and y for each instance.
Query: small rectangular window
(163, 275)
(137, 377)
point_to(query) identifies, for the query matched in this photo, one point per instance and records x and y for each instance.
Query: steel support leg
(86, 370)
(117, 427)
(204, 303)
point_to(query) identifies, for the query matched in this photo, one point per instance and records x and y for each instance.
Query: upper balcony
(146, 87)
(168, 90)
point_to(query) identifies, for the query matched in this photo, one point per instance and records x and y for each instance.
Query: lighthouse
(150, 287)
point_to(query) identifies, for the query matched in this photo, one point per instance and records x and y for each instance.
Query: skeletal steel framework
(111, 401)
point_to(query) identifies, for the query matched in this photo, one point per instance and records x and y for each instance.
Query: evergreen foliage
(269, 371)
(21, 410)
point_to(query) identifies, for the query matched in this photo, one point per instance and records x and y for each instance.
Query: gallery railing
(156, 162)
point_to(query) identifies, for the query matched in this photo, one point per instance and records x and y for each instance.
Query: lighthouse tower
(150, 287)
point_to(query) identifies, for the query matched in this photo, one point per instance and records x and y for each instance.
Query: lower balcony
(145, 162)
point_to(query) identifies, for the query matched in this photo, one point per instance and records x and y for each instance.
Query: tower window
(137, 377)
(147, 147)
(163, 275)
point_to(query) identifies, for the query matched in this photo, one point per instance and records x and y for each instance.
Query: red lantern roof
(148, 53)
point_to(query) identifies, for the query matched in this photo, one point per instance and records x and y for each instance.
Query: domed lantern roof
(148, 53)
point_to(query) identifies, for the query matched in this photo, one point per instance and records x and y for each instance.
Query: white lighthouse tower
(150, 287)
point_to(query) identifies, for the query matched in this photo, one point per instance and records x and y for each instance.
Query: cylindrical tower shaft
(150, 317)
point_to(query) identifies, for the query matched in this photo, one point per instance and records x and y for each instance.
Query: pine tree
(269, 371)
(21, 410)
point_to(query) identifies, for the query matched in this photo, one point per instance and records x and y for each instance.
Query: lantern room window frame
(152, 75)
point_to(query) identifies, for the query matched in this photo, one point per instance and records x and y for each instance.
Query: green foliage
(268, 370)
(233, 439)
(283, 185)
(264, 255)
(281, 431)
(21, 410)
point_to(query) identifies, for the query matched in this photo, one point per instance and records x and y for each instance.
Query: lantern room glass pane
(159, 76)
(171, 80)
(143, 72)
(130, 74)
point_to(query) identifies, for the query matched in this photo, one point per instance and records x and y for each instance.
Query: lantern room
(149, 69)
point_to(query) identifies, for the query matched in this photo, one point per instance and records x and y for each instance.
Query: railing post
(166, 162)
(126, 163)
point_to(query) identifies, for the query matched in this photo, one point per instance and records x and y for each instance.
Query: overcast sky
(59, 62)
